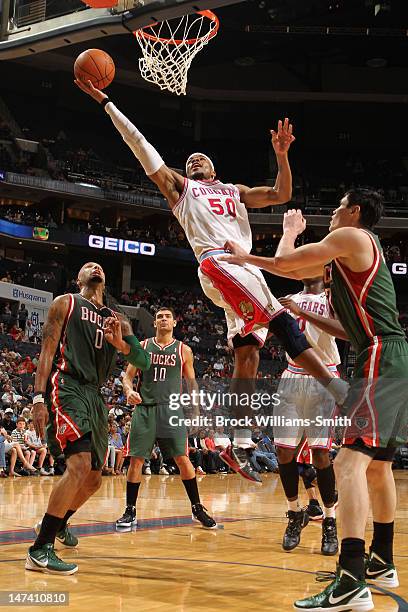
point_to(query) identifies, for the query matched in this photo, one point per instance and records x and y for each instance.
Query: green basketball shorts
(76, 410)
(154, 423)
(378, 402)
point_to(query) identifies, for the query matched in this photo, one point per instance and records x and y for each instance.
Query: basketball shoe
(45, 560)
(238, 460)
(297, 522)
(344, 593)
(65, 536)
(330, 543)
(314, 510)
(200, 516)
(128, 519)
(381, 573)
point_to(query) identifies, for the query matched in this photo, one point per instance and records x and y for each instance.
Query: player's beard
(198, 175)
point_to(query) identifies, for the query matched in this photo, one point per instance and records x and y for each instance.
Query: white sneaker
(200, 470)
(163, 471)
(51, 472)
(44, 472)
(148, 472)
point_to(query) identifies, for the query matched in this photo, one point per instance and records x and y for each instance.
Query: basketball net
(170, 46)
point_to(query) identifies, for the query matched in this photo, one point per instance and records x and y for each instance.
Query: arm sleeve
(147, 155)
(138, 357)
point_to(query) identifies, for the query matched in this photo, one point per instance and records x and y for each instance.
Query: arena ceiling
(283, 45)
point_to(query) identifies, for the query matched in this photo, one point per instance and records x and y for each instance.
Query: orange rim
(190, 41)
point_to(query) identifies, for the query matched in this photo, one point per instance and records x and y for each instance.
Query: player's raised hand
(238, 255)
(294, 222)
(288, 303)
(89, 89)
(133, 398)
(112, 330)
(39, 414)
(283, 138)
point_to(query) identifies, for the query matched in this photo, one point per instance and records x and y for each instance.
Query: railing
(138, 197)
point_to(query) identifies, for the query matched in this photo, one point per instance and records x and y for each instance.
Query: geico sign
(123, 246)
(399, 268)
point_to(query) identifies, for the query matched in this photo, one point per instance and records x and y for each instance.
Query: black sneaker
(200, 515)
(297, 521)
(128, 519)
(238, 460)
(330, 543)
(314, 510)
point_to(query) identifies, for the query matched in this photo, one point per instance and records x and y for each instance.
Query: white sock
(330, 512)
(294, 505)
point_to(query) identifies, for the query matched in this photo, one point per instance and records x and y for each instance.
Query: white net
(169, 47)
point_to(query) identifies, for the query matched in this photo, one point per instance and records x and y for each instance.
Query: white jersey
(323, 343)
(211, 212)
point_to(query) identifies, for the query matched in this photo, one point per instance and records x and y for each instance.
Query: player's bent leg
(327, 487)
(134, 478)
(237, 457)
(286, 329)
(297, 517)
(380, 568)
(41, 556)
(348, 589)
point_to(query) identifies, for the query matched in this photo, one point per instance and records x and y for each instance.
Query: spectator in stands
(8, 421)
(36, 447)
(6, 278)
(15, 451)
(9, 397)
(18, 435)
(196, 454)
(115, 440)
(3, 438)
(22, 317)
(213, 458)
(16, 333)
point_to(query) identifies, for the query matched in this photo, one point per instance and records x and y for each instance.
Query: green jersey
(83, 352)
(165, 374)
(365, 302)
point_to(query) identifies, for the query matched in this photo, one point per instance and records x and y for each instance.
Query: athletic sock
(50, 526)
(192, 490)
(66, 518)
(289, 476)
(132, 491)
(330, 512)
(383, 540)
(327, 485)
(352, 557)
(294, 505)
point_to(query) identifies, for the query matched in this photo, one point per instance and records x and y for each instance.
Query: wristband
(104, 102)
(38, 399)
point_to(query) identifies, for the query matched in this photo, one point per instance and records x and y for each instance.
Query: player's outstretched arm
(281, 192)
(343, 243)
(51, 336)
(169, 182)
(328, 325)
(294, 224)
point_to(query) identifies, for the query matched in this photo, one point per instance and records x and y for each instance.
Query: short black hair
(169, 308)
(371, 205)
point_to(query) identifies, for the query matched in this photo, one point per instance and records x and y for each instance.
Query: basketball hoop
(169, 48)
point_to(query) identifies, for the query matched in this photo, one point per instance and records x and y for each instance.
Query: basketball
(96, 66)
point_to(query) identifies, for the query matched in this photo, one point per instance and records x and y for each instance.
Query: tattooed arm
(51, 336)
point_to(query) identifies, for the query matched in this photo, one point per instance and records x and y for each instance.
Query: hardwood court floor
(169, 564)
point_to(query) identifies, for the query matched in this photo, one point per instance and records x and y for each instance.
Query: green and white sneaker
(381, 573)
(65, 536)
(45, 560)
(344, 593)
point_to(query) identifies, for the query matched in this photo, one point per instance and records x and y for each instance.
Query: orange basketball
(96, 66)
